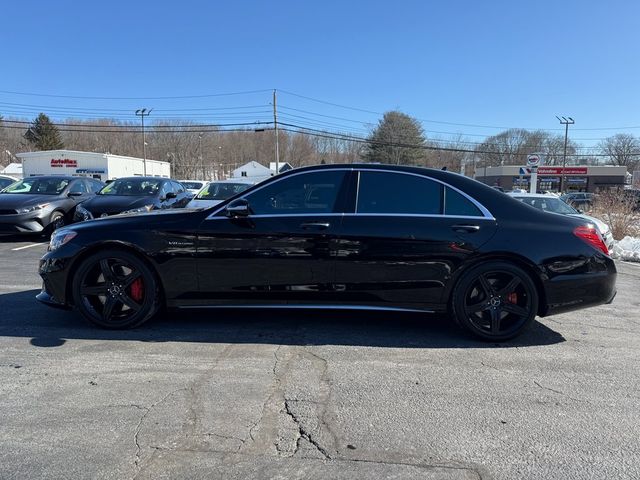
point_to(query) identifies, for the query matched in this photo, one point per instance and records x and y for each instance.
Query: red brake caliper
(137, 289)
(512, 297)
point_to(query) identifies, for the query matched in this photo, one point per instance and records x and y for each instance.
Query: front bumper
(54, 268)
(45, 297)
(32, 222)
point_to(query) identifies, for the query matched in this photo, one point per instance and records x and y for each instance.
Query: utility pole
(200, 154)
(143, 112)
(275, 123)
(566, 121)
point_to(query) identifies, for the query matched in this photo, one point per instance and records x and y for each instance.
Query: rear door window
(399, 193)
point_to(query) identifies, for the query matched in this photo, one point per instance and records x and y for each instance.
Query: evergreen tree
(397, 139)
(43, 134)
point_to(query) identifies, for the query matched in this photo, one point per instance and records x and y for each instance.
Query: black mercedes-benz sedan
(134, 194)
(366, 236)
(39, 205)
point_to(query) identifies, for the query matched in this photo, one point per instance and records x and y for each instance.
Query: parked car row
(40, 205)
(43, 204)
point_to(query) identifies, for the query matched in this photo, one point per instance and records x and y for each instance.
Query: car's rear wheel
(115, 289)
(495, 301)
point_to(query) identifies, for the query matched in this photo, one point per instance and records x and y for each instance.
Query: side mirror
(75, 194)
(171, 195)
(238, 208)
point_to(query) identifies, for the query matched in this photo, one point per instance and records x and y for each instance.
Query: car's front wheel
(56, 221)
(495, 301)
(115, 289)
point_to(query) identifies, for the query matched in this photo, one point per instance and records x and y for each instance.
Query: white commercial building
(102, 166)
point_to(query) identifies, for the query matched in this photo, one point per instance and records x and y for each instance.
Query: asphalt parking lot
(300, 394)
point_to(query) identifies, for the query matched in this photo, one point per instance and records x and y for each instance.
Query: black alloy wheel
(115, 289)
(495, 301)
(56, 221)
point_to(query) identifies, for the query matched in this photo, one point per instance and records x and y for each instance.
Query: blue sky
(493, 63)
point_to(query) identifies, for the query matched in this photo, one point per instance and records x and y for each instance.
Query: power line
(248, 92)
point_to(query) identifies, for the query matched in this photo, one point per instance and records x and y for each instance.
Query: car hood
(603, 227)
(19, 200)
(196, 203)
(114, 204)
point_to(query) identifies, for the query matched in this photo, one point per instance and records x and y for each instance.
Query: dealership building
(102, 166)
(575, 178)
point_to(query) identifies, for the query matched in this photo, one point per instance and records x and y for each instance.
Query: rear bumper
(595, 286)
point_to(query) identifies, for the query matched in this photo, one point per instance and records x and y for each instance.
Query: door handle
(465, 228)
(317, 225)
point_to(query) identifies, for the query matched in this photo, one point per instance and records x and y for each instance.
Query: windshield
(5, 182)
(221, 191)
(140, 187)
(40, 186)
(192, 185)
(551, 204)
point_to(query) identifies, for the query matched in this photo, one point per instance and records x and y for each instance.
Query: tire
(56, 221)
(495, 301)
(115, 289)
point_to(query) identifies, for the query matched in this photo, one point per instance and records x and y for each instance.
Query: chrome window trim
(487, 215)
(409, 215)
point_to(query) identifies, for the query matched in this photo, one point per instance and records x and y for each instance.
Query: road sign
(533, 160)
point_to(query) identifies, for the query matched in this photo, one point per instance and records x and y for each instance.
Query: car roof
(531, 195)
(142, 178)
(49, 177)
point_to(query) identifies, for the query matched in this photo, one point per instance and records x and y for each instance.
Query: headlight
(60, 237)
(146, 208)
(32, 208)
(82, 213)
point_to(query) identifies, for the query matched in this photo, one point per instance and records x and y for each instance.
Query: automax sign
(64, 162)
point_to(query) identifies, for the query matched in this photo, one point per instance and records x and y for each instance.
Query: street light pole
(566, 121)
(143, 112)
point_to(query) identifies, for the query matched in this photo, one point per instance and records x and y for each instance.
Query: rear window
(457, 204)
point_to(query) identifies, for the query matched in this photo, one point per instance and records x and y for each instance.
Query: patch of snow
(627, 249)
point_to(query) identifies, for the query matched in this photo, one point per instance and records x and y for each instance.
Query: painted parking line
(28, 246)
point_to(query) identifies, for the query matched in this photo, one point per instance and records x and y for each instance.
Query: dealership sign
(562, 170)
(556, 171)
(63, 162)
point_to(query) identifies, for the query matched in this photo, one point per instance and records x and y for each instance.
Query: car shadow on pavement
(23, 316)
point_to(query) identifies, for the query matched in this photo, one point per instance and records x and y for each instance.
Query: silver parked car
(553, 204)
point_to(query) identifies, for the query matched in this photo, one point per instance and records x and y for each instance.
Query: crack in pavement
(139, 427)
(303, 433)
(559, 393)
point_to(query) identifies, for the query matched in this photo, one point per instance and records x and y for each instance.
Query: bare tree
(512, 146)
(622, 149)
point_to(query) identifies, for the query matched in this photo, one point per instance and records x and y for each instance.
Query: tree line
(397, 139)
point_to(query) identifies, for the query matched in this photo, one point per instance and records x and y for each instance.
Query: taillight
(592, 236)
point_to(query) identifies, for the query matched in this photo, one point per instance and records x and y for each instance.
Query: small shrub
(617, 210)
